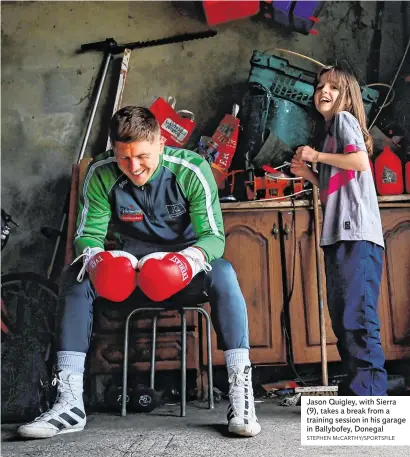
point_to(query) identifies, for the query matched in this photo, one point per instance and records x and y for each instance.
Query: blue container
(282, 79)
(301, 14)
(281, 12)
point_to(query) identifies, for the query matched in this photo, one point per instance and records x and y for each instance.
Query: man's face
(140, 159)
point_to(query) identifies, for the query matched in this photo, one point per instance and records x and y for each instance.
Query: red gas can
(389, 173)
(218, 11)
(407, 176)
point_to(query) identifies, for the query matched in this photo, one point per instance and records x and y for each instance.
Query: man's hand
(307, 154)
(164, 274)
(112, 273)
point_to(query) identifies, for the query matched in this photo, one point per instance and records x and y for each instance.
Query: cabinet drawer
(107, 352)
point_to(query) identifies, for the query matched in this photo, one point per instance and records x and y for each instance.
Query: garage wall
(47, 86)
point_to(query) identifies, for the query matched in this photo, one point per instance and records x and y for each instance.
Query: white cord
(284, 178)
(296, 54)
(384, 85)
(280, 198)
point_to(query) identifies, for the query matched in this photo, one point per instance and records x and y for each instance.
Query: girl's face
(325, 97)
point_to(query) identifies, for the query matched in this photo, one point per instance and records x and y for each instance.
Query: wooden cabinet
(253, 248)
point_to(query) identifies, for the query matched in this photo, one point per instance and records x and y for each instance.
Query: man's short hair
(133, 123)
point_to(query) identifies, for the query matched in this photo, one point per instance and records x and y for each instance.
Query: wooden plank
(394, 198)
(266, 204)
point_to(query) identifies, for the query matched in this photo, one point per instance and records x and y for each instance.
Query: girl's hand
(307, 153)
(299, 168)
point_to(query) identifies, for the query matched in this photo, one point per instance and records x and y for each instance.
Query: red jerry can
(219, 11)
(389, 173)
(407, 176)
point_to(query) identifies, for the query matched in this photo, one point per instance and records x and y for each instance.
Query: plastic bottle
(388, 173)
(407, 171)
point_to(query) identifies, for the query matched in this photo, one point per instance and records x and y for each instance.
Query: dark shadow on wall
(193, 10)
(28, 249)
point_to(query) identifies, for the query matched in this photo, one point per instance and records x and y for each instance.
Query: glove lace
(87, 256)
(202, 264)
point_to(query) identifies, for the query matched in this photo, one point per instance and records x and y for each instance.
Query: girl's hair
(349, 99)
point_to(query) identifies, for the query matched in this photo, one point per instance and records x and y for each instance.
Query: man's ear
(162, 141)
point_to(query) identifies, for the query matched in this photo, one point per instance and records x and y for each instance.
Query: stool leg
(209, 351)
(183, 363)
(153, 349)
(124, 369)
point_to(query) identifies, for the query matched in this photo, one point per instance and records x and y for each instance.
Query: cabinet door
(300, 263)
(254, 253)
(394, 303)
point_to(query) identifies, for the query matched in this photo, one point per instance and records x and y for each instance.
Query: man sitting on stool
(164, 204)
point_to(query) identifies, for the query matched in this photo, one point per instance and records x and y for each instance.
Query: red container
(388, 173)
(218, 11)
(176, 126)
(407, 176)
(225, 138)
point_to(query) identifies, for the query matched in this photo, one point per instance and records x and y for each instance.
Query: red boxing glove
(112, 273)
(164, 274)
(114, 277)
(159, 279)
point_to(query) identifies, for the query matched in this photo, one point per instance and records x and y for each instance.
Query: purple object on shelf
(281, 12)
(301, 14)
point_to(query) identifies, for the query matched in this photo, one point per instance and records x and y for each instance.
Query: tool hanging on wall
(110, 48)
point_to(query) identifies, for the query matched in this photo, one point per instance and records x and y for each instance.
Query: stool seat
(157, 310)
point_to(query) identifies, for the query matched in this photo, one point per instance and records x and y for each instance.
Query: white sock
(237, 359)
(71, 361)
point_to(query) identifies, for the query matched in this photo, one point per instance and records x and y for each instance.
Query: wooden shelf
(285, 203)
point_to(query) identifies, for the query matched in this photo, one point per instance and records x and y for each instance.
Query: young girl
(352, 237)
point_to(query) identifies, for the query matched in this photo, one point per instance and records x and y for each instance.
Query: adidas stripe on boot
(66, 415)
(241, 415)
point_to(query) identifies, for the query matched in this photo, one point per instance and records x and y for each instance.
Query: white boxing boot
(67, 415)
(241, 415)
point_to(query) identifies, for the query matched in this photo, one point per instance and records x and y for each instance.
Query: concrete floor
(200, 433)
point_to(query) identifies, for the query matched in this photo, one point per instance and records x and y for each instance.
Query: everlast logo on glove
(181, 265)
(94, 261)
